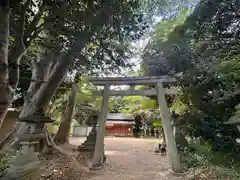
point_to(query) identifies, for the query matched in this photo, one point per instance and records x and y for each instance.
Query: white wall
(81, 131)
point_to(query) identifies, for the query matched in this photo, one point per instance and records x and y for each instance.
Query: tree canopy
(203, 43)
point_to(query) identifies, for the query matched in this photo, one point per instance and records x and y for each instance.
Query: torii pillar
(99, 147)
(159, 91)
(166, 121)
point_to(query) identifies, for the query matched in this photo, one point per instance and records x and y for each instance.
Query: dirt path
(132, 159)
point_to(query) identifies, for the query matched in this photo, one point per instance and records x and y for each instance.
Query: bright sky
(139, 47)
(141, 44)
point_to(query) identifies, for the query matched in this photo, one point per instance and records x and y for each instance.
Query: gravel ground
(131, 159)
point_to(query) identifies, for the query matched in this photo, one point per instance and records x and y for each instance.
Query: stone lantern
(29, 141)
(26, 166)
(89, 144)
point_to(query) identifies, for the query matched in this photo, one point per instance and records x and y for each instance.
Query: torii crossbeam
(159, 91)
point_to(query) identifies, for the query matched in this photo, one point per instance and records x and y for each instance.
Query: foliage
(135, 104)
(204, 45)
(157, 124)
(236, 115)
(201, 168)
(111, 25)
(5, 162)
(202, 163)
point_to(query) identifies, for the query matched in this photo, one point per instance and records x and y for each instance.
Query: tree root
(53, 148)
(10, 141)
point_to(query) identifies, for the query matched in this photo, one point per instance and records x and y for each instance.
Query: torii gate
(158, 91)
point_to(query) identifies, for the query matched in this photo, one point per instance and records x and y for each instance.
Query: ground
(131, 159)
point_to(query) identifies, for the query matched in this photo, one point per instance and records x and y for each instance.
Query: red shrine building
(118, 124)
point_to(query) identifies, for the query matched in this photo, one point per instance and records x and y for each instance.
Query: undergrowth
(203, 164)
(5, 161)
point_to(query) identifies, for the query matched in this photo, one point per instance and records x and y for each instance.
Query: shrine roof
(120, 117)
(120, 122)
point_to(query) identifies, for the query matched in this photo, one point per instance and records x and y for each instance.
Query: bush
(198, 163)
(4, 163)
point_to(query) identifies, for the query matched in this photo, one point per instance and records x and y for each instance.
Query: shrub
(200, 166)
(5, 159)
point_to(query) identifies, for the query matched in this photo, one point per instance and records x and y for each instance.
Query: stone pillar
(159, 132)
(149, 131)
(99, 147)
(170, 141)
(145, 131)
(155, 132)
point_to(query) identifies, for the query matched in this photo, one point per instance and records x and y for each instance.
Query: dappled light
(119, 90)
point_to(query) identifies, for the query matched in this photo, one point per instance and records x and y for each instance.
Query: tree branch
(18, 50)
(109, 52)
(57, 74)
(13, 24)
(22, 22)
(40, 72)
(32, 28)
(34, 35)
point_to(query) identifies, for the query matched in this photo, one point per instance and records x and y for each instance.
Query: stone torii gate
(158, 91)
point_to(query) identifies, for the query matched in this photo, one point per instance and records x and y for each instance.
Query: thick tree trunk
(9, 63)
(5, 89)
(41, 97)
(62, 135)
(40, 71)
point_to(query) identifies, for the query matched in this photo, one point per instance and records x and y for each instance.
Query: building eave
(121, 122)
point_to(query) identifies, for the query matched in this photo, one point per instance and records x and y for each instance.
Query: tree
(87, 22)
(19, 28)
(203, 46)
(5, 89)
(62, 135)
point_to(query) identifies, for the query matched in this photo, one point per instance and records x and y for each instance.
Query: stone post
(155, 132)
(170, 141)
(150, 132)
(145, 131)
(159, 132)
(99, 148)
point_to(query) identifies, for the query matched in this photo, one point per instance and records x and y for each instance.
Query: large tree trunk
(40, 71)
(62, 135)
(5, 89)
(10, 59)
(42, 95)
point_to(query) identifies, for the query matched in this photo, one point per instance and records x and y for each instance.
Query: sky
(139, 46)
